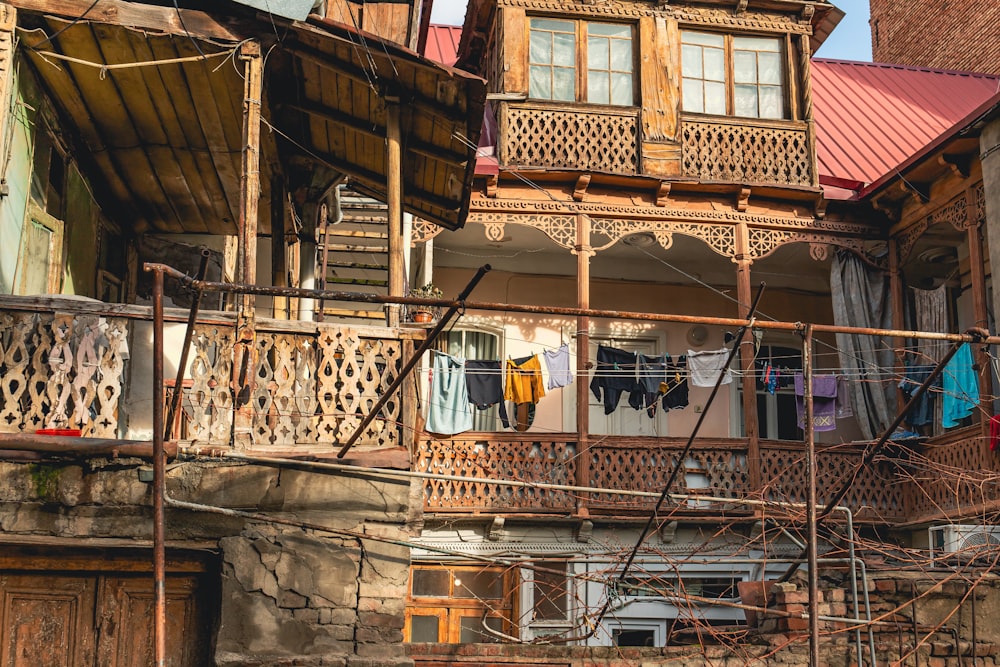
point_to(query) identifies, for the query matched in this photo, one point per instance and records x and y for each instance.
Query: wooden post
(243, 348)
(583, 252)
(897, 298)
(408, 414)
(980, 310)
(279, 247)
(805, 58)
(394, 197)
(744, 298)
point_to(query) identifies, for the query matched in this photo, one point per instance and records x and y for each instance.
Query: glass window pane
(563, 84)
(771, 102)
(552, 24)
(609, 30)
(540, 86)
(691, 61)
(621, 90)
(746, 101)
(693, 96)
(485, 585)
(769, 68)
(757, 44)
(621, 55)
(707, 39)
(597, 53)
(598, 88)
(472, 631)
(424, 629)
(540, 47)
(549, 597)
(715, 65)
(715, 98)
(431, 583)
(745, 67)
(564, 49)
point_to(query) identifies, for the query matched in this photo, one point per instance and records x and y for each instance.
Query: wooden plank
(658, 81)
(661, 158)
(515, 30)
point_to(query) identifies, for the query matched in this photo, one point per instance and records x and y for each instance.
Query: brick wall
(942, 34)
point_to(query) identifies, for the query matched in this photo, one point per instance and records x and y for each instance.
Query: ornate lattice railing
(61, 370)
(536, 135)
(497, 456)
(745, 151)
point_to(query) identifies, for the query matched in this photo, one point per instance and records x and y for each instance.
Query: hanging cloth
(557, 364)
(448, 408)
(652, 375)
(524, 380)
(960, 385)
(920, 413)
(485, 385)
(824, 389)
(614, 375)
(705, 367)
(676, 395)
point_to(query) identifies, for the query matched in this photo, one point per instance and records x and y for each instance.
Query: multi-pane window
(581, 61)
(732, 75)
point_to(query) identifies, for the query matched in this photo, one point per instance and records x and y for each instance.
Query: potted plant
(424, 314)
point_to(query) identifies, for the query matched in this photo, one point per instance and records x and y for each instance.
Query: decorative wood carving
(980, 204)
(960, 165)
(721, 151)
(743, 200)
(492, 185)
(580, 191)
(422, 231)
(954, 213)
(663, 194)
(543, 136)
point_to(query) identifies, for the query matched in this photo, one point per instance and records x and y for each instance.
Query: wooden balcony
(86, 365)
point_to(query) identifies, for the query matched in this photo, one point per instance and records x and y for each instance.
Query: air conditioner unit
(965, 542)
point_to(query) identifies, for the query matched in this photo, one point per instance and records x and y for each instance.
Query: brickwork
(956, 35)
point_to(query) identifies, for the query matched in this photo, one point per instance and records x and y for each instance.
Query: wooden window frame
(450, 609)
(787, 106)
(581, 64)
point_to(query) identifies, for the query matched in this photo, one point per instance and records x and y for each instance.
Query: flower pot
(423, 316)
(754, 594)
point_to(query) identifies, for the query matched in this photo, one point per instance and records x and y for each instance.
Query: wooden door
(46, 620)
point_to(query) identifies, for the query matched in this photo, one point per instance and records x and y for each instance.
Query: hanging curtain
(860, 297)
(932, 315)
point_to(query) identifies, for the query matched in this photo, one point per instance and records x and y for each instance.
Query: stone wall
(289, 595)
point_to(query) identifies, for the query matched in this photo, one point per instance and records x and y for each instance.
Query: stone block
(310, 616)
(291, 600)
(381, 621)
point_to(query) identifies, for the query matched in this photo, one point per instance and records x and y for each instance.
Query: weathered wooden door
(85, 618)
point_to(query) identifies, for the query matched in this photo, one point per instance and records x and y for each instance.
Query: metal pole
(159, 474)
(175, 400)
(812, 541)
(412, 361)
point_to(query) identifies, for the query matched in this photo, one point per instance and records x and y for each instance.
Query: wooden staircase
(356, 256)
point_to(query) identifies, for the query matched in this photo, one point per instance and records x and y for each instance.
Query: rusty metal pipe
(159, 479)
(570, 312)
(175, 399)
(78, 446)
(412, 361)
(812, 542)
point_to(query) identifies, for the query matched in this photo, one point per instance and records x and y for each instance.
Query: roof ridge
(910, 68)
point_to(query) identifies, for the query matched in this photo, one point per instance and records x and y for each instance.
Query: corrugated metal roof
(871, 117)
(442, 43)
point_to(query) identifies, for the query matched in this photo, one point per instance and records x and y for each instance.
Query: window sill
(782, 123)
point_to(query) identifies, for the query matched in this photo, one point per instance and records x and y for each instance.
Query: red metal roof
(442, 43)
(871, 117)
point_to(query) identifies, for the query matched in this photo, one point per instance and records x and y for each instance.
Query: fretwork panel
(951, 476)
(876, 491)
(634, 467)
(59, 370)
(569, 139)
(531, 461)
(745, 154)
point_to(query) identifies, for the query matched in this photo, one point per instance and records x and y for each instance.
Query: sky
(852, 40)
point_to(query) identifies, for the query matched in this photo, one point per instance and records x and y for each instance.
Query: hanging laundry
(652, 375)
(705, 367)
(676, 395)
(844, 407)
(525, 387)
(557, 364)
(448, 408)
(920, 413)
(824, 389)
(615, 374)
(994, 433)
(485, 385)
(960, 385)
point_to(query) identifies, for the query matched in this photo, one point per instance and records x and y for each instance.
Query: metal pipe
(571, 312)
(811, 537)
(413, 360)
(159, 479)
(65, 444)
(175, 400)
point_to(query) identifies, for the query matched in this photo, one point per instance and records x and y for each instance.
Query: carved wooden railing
(744, 150)
(569, 137)
(61, 370)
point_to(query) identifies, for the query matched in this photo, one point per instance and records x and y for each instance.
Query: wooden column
(744, 297)
(394, 199)
(243, 349)
(897, 297)
(805, 57)
(980, 310)
(583, 253)
(279, 247)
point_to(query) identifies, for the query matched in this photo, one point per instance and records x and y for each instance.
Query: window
(732, 75)
(457, 604)
(777, 418)
(599, 72)
(475, 345)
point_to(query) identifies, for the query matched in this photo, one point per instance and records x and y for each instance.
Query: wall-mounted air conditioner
(965, 542)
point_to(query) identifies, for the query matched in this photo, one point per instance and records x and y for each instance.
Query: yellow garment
(524, 383)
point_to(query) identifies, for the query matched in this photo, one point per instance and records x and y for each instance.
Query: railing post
(408, 411)
(746, 343)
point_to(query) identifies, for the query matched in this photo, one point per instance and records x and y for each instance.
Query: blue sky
(850, 41)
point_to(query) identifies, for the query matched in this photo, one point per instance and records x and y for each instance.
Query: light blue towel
(961, 388)
(448, 408)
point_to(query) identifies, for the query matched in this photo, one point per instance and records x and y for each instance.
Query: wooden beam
(279, 247)
(250, 175)
(394, 200)
(583, 254)
(184, 22)
(580, 190)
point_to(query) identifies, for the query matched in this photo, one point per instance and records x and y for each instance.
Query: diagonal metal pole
(175, 399)
(413, 360)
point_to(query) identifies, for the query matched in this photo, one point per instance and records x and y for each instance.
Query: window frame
(730, 84)
(581, 66)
